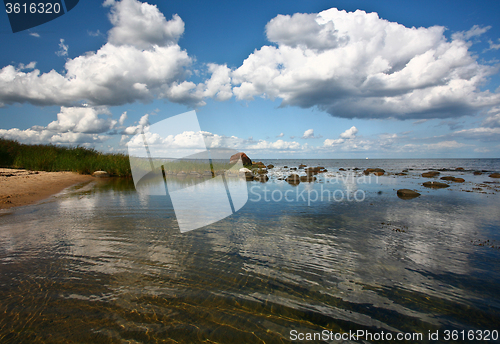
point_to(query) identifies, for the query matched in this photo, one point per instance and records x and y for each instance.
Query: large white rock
(100, 174)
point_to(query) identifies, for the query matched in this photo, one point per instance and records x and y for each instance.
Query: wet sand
(23, 187)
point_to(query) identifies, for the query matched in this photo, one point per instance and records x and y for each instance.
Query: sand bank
(22, 187)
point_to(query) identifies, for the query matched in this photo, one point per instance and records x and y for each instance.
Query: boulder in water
(407, 194)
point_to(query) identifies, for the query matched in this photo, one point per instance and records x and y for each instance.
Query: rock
(259, 164)
(478, 173)
(249, 176)
(285, 166)
(240, 156)
(293, 179)
(453, 179)
(407, 194)
(293, 168)
(312, 170)
(435, 185)
(270, 166)
(307, 179)
(405, 170)
(341, 169)
(430, 174)
(356, 169)
(459, 169)
(261, 178)
(495, 175)
(401, 174)
(100, 174)
(302, 166)
(375, 171)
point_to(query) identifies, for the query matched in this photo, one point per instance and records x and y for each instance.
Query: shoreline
(19, 187)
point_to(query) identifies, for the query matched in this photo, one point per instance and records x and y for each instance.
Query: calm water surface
(104, 264)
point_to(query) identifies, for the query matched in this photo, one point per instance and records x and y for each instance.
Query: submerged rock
(293, 179)
(312, 170)
(307, 179)
(375, 171)
(248, 176)
(448, 178)
(478, 173)
(407, 194)
(435, 185)
(495, 175)
(302, 166)
(430, 174)
(270, 166)
(261, 178)
(259, 164)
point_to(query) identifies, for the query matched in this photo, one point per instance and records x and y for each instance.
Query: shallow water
(105, 264)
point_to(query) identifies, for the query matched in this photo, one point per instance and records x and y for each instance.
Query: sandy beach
(21, 187)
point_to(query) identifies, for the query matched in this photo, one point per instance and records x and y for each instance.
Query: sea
(342, 259)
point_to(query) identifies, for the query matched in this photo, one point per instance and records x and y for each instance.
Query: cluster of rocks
(259, 171)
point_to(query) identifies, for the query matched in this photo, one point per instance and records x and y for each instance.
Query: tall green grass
(57, 158)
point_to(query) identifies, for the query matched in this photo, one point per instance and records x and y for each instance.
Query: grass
(57, 158)
(86, 160)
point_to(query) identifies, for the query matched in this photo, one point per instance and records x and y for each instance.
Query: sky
(274, 79)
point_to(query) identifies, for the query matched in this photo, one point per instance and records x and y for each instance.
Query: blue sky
(280, 79)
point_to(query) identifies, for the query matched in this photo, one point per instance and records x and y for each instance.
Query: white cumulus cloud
(142, 25)
(140, 62)
(309, 134)
(355, 64)
(349, 133)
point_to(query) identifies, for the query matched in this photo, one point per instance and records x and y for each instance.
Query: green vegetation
(57, 158)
